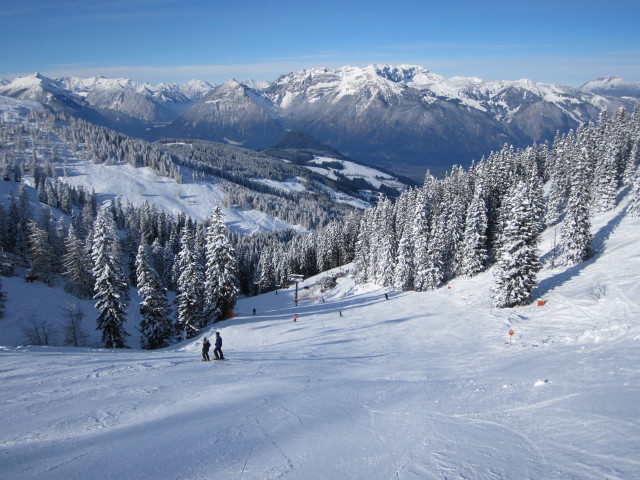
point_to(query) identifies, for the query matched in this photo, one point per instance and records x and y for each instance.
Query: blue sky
(566, 42)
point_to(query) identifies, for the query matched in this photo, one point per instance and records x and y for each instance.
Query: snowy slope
(612, 86)
(354, 170)
(14, 111)
(36, 87)
(423, 385)
(194, 198)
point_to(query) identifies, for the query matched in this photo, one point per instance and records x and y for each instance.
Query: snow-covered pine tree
(130, 251)
(420, 236)
(606, 180)
(53, 232)
(155, 325)
(24, 204)
(404, 268)
(517, 266)
(41, 254)
(267, 271)
(221, 291)
(634, 197)
(111, 285)
(283, 270)
(558, 181)
(575, 231)
(633, 163)
(19, 217)
(3, 300)
(350, 235)
(384, 244)
(456, 201)
(362, 262)
(621, 136)
(190, 288)
(336, 238)
(57, 242)
(431, 246)
(12, 224)
(4, 219)
(473, 253)
(532, 175)
(498, 174)
(147, 224)
(77, 266)
(435, 268)
(324, 250)
(84, 222)
(404, 271)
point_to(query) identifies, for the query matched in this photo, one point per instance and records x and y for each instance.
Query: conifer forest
(189, 273)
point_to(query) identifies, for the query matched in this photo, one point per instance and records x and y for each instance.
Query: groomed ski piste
(419, 386)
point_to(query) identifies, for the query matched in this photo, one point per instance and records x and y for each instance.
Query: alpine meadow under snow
(483, 325)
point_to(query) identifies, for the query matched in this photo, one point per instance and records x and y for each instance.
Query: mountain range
(403, 118)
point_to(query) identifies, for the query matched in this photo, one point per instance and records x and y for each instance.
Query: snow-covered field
(355, 170)
(193, 197)
(420, 386)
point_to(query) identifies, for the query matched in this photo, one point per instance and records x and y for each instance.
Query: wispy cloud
(27, 7)
(97, 10)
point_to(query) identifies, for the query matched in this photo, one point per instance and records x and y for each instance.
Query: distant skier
(254, 311)
(205, 349)
(386, 296)
(218, 350)
(340, 311)
(295, 317)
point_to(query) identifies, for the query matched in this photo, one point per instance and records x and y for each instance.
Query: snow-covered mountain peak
(165, 91)
(85, 85)
(612, 86)
(603, 82)
(34, 80)
(195, 89)
(231, 84)
(347, 81)
(402, 73)
(353, 78)
(229, 89)
(256, 84)
(35, 87)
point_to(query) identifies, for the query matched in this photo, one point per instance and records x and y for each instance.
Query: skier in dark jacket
(205, 349)
(218, 350)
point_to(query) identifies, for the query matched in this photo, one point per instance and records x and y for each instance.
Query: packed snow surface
(419, 386)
